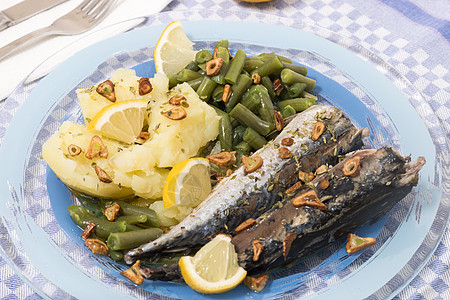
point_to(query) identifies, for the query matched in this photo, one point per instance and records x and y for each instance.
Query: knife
(24, 10)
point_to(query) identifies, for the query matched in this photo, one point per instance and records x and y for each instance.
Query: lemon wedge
(214, 268)
(188, 183)
(173, 50)
(122, 121)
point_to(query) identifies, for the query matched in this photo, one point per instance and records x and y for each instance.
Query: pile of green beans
(247, 117)
(133, 226)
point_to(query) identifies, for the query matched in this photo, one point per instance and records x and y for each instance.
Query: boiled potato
(173, 141)
(126, 87)
(135, 170)
(77, 172)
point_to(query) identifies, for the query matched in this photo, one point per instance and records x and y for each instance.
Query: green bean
(246, 73)
(132, 219)
(265, 108)
(219, 79)
(290, 77)
(308, 95)
(296, 68)
(82, 217)
(299, 104)
(234, 122)
(202, 67)
(265, 81)
(187, 75)
(222, 43)
(172, 80)
(272, 135)
(252, 63)
(203, 56)
(115, 255)
(251, 100)
(295, 89)
(249, 119)
(236, 66)
(192, 66)
(220, 112)
(238, 132)
(195, 83)
(271, 66)
(267, 56)
(223, 53)
(284, 95)
(217, 93)
(132, 227)
(237, 90)
(288, 111)
(226, 133)
(132, 239)
(127, 209)
(206, 88)
(243, 146)
(254, 139)
(240, 153)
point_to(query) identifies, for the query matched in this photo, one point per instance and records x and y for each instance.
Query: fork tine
(101, 9)
(87, 5)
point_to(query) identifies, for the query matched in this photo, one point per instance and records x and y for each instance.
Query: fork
(84, 17)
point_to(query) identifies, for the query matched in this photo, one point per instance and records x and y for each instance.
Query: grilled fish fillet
(382, 179)
(241, 196)
(288, 232)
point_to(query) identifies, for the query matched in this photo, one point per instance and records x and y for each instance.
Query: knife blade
(24, 10)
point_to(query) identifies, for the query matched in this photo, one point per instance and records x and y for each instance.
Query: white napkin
(16, 67)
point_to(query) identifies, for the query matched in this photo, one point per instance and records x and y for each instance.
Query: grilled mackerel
(362, 188)
(241, 196)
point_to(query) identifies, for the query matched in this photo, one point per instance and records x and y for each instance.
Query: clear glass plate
(43, 245)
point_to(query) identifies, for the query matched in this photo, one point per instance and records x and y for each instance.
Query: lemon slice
(188, 183)
(122, 120)
(173, 50)
(214, 268)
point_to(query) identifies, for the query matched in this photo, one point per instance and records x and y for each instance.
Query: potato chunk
(77, 172)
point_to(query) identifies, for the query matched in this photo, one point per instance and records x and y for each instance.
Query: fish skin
(241, 196)
(384, 179)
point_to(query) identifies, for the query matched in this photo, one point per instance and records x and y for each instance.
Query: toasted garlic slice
(134, 273)
(309, 198)
(246, 224)
(257, 249)
(256, 284)
(351, 166)
(356, 243)
(317, 131)
(106, 89)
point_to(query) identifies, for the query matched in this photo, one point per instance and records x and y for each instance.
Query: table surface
(418, 35)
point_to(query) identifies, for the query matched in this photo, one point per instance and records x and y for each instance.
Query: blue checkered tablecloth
(413, 36)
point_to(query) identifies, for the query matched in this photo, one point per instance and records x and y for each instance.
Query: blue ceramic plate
(43, 245)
